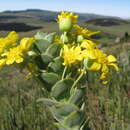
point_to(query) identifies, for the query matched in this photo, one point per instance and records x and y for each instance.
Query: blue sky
(119, 8)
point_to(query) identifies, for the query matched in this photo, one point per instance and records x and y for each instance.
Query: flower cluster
(80, 48)
(12, 52)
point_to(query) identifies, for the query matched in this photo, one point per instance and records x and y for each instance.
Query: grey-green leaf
(46, 58)
(61, 88)
(56, 65)
(42, 45)
(63, 110)
(40, 35)
(75, 119)
(50, 37)
(53, 49)
(77, 96)
(47, 101)
(50, 78)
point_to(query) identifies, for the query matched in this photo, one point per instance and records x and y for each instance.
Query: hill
(28, 22)
(42, 15)
(107, 21)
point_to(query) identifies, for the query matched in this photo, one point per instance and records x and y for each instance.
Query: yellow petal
(9, 61)
(115, 66)
(105, 68)
(66, 49)
(26, 43)
(111, 58)
(19, 60)
(95, 66)
(103, 76)
(88, 44)
(104, 82)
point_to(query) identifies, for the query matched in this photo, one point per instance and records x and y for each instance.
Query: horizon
(56, 11)
(117, 8)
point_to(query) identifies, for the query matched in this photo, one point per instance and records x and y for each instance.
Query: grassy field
(107, 108)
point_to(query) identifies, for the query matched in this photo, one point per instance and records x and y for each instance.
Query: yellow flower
(103, 63)
(14, 55)
(88, 44)
(88, 49)
(26, 43)
(9, 41)
(67, 15)
(97, 60)
(71, 55)
(13, 36)
(88, 54)
(66, 20)
(84, 32)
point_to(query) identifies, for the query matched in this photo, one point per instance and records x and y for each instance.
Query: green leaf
(50, 78)
(75, 119)
(50, 37)
(39, 62)
(61, 111)
(76, 98)
(45, 36)
(42, 45)
(40, 35)
(53, 49)
(61, 88)
(47, 102)
(56, 65)
(46, 58)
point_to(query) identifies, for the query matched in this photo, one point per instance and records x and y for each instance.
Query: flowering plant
(61, 63)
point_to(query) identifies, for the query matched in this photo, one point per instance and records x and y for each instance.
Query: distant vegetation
(30, 21)
(107, 22)
(19, 27)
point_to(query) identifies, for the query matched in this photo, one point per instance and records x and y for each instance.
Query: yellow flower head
(71, 55)
(88, 44)
(14, 55)
(67, 15)
(9, 41)
(84, 32)
(26, 43)
(88, 49)
(104, 63)
(13, 36)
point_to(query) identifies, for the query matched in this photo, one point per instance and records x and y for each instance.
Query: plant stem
(64, 34)
(63, 75)
(77, 80)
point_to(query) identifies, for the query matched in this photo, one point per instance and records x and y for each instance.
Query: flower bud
(31, 53)
(80, 38)
(65, 25)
